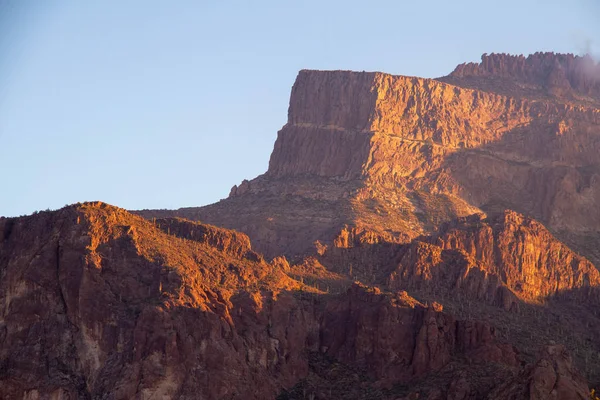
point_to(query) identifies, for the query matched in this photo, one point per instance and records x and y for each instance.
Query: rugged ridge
(98, 303)
(521, 251)
(501, 260)
(540, 74)
(409, 183)
(400, 155)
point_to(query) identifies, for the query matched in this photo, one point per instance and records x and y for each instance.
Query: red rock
(397, 156)
(560, 75)
(551, 377)
(378, 178)
(96, 302)
(398, 342)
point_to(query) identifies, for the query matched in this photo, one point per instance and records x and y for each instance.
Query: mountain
(96, 302)
(397, 156)
(548, 76)
(411, 238)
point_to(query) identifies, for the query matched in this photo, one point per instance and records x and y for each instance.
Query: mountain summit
(545, 75)
(396, 156)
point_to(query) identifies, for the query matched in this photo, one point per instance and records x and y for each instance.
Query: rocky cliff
(422, 239)
(98, 303)
(400, 155)
(549, 75)
(477, 190)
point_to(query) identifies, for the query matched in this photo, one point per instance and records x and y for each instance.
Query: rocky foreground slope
(97, 303)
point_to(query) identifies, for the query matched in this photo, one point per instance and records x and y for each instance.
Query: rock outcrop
(551, 377)
(529, 260)
(427, 341)
(563, 76)
(398, 156)
(501, 260)
(98, 303)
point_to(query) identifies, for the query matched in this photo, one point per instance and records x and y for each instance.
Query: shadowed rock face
(98, 303)
(426, 342)
(551, 377)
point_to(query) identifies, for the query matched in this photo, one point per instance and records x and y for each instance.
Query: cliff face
(347, 125)
(523, 253)
(563, 76)
(98, 303)
(398, 156)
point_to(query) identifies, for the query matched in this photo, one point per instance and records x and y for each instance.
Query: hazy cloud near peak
(586, 45)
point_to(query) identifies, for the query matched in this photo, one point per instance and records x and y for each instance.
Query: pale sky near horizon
(154, 104)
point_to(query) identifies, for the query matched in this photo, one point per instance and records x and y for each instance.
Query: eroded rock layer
(552, 75)
(98, 303)
(400, 155)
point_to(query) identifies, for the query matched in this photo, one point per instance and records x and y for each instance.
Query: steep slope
(398, 156)
(409, 184)
(98, 303)
(507, 269)
(552, 376)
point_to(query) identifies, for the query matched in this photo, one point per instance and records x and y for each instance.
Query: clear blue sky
(157, 104)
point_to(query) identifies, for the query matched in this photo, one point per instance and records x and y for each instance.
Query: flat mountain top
(400, 155)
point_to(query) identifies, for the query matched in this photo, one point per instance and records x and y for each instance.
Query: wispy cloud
(586, 44)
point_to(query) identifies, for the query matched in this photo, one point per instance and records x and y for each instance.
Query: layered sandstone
(346, 125)
(399, 155)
